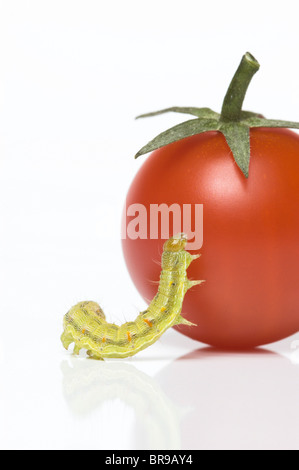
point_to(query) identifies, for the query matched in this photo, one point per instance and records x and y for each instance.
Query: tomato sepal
(262, 122)
(179, 132)
(238, 140)
(205, 113)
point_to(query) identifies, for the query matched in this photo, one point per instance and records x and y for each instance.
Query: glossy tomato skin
(250, 252)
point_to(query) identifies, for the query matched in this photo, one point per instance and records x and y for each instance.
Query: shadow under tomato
(214, 352)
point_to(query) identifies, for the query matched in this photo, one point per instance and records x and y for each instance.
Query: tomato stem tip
(233, 100)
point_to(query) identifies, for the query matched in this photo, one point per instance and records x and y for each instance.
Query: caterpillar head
(176, 243)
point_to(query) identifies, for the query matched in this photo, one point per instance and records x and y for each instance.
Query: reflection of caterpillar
(86, 325)
(89, 389)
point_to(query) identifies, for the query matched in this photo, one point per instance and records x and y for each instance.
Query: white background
(73, 75)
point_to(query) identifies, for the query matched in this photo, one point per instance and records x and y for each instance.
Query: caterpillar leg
(66, 339)
(183, 321)
(94, 355)
(191, 283)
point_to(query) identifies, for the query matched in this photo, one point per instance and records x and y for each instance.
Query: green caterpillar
(86, 326)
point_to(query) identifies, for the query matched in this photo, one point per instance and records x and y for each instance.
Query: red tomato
(250, 252)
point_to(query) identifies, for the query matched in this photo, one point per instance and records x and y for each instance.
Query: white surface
(73, 74)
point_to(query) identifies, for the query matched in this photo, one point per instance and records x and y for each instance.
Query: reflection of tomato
(250, 253)
(234, 401)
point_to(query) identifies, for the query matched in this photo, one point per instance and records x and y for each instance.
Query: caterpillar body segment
(86, 326)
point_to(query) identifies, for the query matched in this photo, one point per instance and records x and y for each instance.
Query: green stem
(233, 101)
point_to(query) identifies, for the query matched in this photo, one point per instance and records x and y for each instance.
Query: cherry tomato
(250, 252)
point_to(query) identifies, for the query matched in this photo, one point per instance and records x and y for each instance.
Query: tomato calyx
(233, 122)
